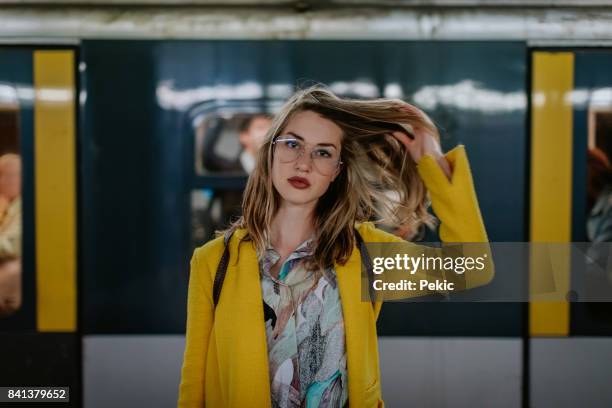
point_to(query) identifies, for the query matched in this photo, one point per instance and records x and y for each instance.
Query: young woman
(290, 328)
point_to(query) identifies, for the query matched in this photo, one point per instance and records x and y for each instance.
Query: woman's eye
(291, 144)
(323, 153)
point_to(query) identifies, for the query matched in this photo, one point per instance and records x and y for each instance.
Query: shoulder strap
(222, 267)
(367, 263)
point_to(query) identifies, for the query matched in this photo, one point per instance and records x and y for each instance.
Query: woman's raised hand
(422, 142)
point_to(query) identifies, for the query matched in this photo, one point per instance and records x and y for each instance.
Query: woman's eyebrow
(318, 144)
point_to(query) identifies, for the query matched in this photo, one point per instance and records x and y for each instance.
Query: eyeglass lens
(324, 158)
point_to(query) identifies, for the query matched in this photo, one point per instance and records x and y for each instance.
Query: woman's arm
(453, 199)
(449, 181)
(199, 324)
(456, 206)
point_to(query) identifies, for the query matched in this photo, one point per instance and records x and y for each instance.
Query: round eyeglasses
(325, 159)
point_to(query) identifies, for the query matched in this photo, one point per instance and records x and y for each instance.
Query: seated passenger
(10, 233)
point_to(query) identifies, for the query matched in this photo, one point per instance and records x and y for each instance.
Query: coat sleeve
(454, 201)
(456, 206)
(200, 311)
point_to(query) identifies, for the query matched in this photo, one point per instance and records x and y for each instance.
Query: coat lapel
(241, 336)
(353, 309)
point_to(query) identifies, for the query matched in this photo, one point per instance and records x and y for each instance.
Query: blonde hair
(378, 179)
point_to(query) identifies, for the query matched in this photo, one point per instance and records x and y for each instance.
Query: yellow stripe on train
(551, 184)
(55, 190)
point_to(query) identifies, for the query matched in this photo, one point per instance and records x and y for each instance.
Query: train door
(571, 197)
(39, 345)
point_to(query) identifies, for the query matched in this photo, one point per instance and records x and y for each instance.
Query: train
(127, 132)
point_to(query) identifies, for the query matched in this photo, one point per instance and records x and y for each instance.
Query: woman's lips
(299, 182)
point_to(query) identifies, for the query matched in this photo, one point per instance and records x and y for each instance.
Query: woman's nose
(304, 161)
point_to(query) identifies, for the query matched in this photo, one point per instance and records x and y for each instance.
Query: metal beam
(536, 25)
(330, 3)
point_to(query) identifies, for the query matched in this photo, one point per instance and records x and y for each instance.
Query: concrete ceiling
(314, 4)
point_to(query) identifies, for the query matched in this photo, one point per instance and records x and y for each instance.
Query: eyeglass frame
(302, 151)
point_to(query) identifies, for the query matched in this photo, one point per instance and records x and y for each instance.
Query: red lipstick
(299, 182)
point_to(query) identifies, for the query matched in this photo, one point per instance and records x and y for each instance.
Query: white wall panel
(450, 372)
(571, 372)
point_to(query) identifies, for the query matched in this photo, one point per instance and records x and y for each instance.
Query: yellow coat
(226, 357)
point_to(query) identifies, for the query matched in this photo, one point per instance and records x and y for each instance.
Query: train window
(228, 144)
(599, 176)
(10, 209)
(212, 209)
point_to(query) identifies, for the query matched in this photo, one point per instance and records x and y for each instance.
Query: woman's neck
(291, 226)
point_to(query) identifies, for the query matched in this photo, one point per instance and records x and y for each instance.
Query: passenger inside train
(10, 233)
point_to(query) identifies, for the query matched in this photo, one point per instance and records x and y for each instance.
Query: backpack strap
(367, 263)
(222, 267)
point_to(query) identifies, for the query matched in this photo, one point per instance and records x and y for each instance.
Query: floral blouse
(305, 332)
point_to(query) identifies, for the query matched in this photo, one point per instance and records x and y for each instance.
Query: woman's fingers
(403, 138)
(413, 146)
(420, 141)
(423, 143)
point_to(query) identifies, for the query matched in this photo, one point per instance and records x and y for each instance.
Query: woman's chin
(299, 198)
